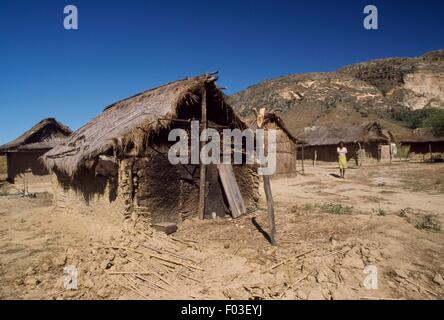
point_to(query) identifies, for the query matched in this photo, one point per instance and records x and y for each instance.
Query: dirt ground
(386, 217)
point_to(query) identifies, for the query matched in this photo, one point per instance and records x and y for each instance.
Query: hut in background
(367, 143)
(118, 162)
(425, 146)
(23, 154)
(286, 145)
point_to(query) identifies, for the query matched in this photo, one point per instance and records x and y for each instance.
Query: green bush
(435, 122)
(336, 208)
(403, 151)
(431, 118)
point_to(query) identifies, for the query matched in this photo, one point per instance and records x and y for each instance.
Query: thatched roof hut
(422, 135)
(329, 135)
(123, 153)
(366, 141)
(23, 153)
(424, 145)
(286, 144)
(43, 136)
(127, 125)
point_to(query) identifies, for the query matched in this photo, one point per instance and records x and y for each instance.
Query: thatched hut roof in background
(131, 121)
(422, 135)
(43, 136)
(271, 117)
(365, 133)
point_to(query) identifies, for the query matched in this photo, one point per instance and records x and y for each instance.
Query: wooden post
(296, 158)
(315, 157)
(379, 153)
(270, 206)
(430, 151)
(302, 156)
(203, 168)
(399, 152)
(270, 209)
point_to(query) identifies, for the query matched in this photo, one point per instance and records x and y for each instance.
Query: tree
(435, 121)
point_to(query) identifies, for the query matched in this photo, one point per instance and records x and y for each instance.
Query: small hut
(118, 162)
(286, 144)
(366, 143)
(425, 146)
(23, 154)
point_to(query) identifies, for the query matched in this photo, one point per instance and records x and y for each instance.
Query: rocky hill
(372, 90)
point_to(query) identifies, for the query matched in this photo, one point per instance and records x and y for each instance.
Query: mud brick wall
(168, 193)
(161, 194)
(87, 195)
(248, 180)
(285, 153)
(26, 167)
(146, 187)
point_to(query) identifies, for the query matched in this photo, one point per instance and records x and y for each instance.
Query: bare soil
(328, 230)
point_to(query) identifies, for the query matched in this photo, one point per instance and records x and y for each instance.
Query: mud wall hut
(368, 143)
(117, 162)
(424, 146)
(286, 144)
(23, 153)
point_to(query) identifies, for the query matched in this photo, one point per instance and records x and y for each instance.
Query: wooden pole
(270, 205)
(296, 158)
(315, 157)
(430, 150)
(379, 152)
(302, 156)
(390, 145)
(270, 209)
(203, 168)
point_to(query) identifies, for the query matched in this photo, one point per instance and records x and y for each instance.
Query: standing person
(342, 159)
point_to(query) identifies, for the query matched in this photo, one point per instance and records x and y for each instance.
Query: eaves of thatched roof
(324, 135)
(131, 121)
(271, 117)
(422, 135)
(43, 136)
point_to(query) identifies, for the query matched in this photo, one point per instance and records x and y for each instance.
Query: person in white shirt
(342, 159)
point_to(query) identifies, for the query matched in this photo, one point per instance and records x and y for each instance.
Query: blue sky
(124, 47)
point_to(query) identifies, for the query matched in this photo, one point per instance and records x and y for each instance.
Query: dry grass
(428, 223)
(419, 181)
(331, 208)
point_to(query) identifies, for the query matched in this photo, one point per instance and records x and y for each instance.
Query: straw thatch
(43, 136)
(366, 133)
(128, 124)
(272, 118)
(422, 136)
(286, 143)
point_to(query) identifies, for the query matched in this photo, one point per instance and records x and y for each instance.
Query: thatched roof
(43, 136)
(131, 121)
(365, 133)
(271, 117)
(422, 136)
